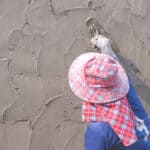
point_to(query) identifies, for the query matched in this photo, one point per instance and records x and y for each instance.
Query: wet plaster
(38, 42)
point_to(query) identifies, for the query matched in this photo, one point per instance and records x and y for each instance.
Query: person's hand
(100, 42)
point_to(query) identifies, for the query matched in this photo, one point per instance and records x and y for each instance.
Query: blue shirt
(100, 136)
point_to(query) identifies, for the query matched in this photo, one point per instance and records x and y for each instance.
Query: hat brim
(91, 94)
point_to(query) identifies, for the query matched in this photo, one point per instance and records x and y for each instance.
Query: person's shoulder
(99, 127)
(101, 131)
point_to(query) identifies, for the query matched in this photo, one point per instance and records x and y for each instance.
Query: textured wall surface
(38, 41)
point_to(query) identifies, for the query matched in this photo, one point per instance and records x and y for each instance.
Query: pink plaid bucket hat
(98, 78)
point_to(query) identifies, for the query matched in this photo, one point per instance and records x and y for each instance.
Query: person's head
(98, 78)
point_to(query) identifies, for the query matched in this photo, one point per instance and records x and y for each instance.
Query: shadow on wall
(141, 88)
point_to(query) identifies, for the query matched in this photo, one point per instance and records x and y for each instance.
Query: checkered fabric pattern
(117, 114)
(101, 73)
(98, 78)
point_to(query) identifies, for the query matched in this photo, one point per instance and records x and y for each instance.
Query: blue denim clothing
(100, 136)
(137, 106)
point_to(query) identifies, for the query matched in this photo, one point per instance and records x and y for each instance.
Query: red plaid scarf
(117, 114)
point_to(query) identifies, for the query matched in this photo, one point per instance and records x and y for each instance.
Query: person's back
(100, 136)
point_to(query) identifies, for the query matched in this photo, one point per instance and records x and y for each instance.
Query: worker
(116, 117)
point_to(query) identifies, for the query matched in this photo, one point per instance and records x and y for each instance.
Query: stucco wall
(38, 41)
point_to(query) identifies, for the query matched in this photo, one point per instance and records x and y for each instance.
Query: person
(117, 119)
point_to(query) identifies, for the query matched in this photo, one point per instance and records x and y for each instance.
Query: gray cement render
(38, 41)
